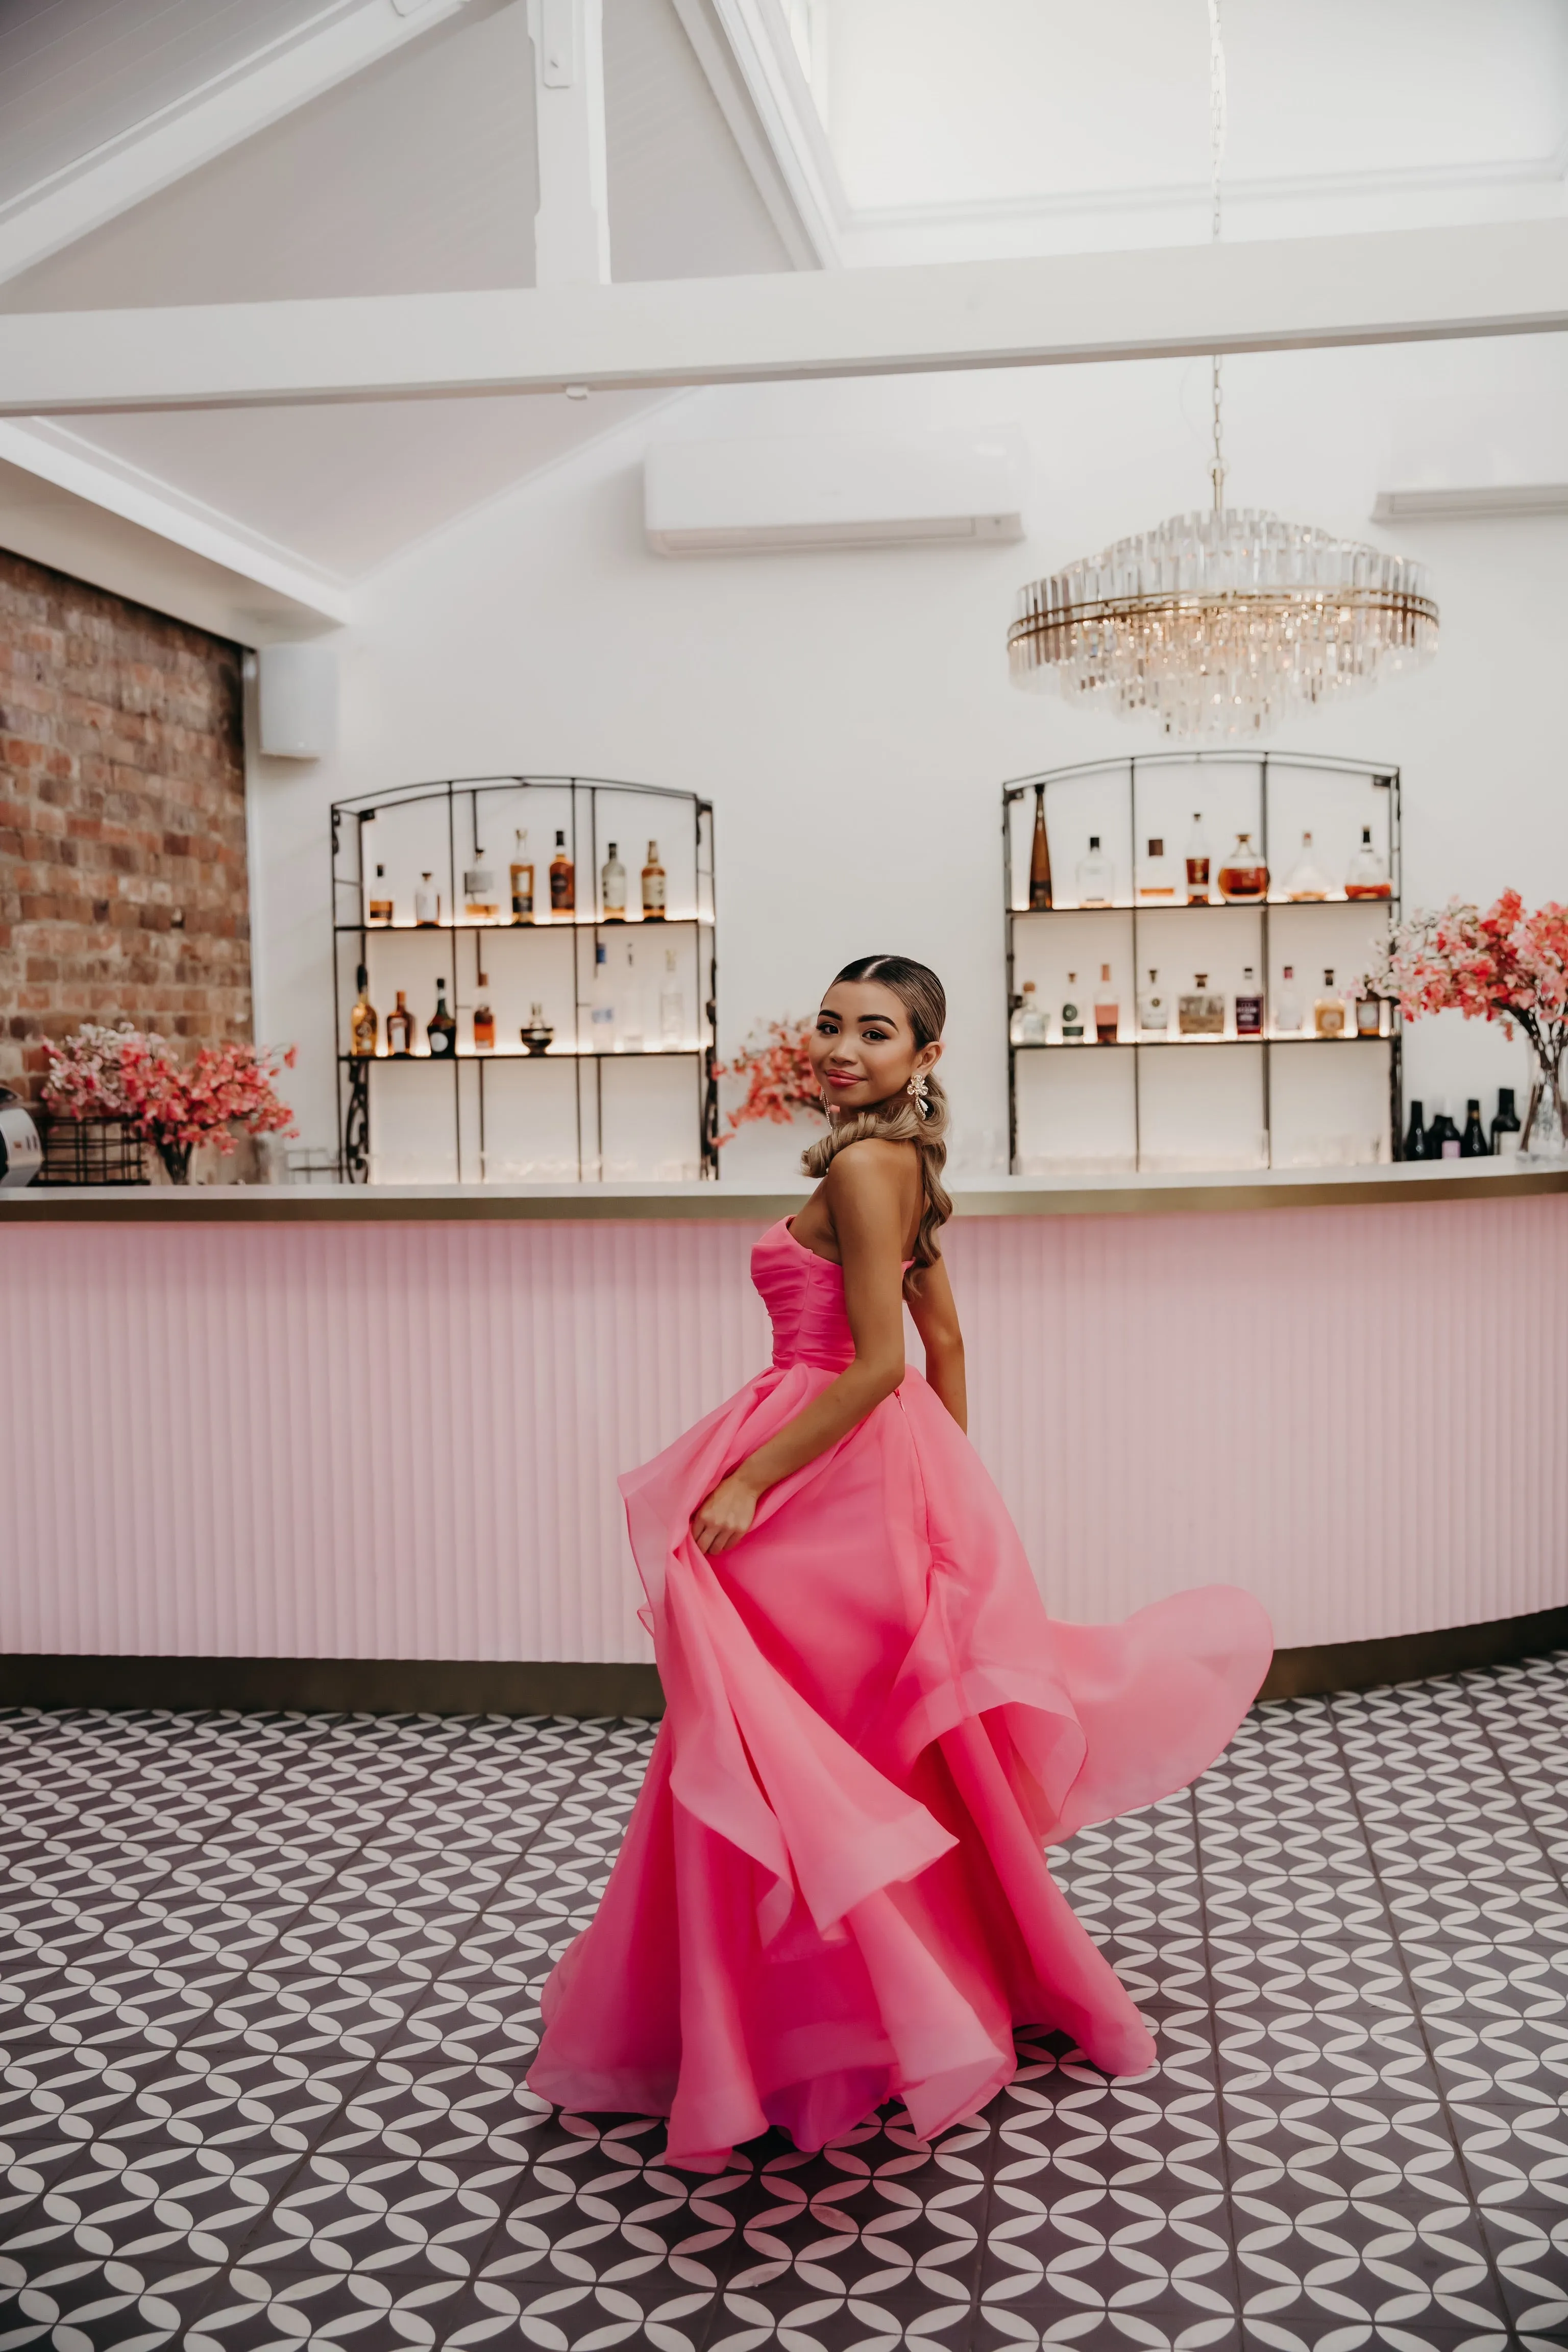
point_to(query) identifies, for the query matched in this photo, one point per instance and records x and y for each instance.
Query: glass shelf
(515, 1054)
(1287, 1037)
(1191, 906)
(530, 931)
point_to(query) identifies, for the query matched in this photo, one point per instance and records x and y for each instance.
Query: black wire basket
(92, 1151)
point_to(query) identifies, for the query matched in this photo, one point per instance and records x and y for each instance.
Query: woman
(832, 1890)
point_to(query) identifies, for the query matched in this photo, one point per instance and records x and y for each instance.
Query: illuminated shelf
(1193, 906)
(1154, 1037)
(531, 931)
(516, 1054)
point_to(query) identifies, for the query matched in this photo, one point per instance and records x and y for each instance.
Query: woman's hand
(725, 1517)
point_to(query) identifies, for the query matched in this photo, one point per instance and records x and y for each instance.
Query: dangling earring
(921, 1093)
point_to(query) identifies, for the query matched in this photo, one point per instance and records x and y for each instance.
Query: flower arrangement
(1504, 965)
(133, 1075)
(779, 1078)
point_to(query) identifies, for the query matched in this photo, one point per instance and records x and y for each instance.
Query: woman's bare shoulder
(872, 1164)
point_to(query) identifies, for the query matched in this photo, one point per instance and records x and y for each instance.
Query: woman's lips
(842, 1078)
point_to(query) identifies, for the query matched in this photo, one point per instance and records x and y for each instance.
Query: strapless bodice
(803, 1295)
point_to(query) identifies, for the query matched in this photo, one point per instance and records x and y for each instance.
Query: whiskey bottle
(1368, 876)
(484, 1021)
(1040, 858)
(1029, 1027)
(653, 887)
(1094, 875)
(1153, 1008)
(602, 1005)
(400, 1027)
(1414, 1144)
(1201, 1014)
(1107, 1011)
(1072, 1018)
(613, 887)
(1244, 875)
(1304, 879)
(521, 879)
(379, 909)
(671, 1006)
(563, 880)
(363, 1022)
(426, 903)
(1328, 1011)
(1289, 1010)
(1369, 1016)
(1505, 1126)
(441, 1029)
(1473, 1142)
(1249, 1005)
(480, 902)
(1157, 875)
(1197, 864)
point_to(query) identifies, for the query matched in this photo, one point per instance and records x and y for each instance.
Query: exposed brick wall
(122, 873)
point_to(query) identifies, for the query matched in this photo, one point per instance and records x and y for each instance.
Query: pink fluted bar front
(401, 1440)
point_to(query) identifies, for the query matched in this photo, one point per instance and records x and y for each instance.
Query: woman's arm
(867, 1191)
(936, 1320)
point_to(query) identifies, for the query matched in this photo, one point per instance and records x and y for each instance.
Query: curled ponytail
(904, 1119)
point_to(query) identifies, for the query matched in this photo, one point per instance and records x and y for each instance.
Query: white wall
(850, 714)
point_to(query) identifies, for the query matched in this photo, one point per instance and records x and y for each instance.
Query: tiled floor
(267, 1988)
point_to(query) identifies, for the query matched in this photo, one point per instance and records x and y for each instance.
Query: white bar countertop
(998, 1196)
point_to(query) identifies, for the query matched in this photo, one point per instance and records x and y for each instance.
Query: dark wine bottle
(1414, 1145)
(1040, 858)
(1442, 1136)
(441, 1029)
(1505, 1126)
(1473, 1142)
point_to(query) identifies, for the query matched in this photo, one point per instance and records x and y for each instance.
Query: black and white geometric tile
(268, 1988)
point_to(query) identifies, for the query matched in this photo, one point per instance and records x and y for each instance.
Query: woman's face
(863, 1049)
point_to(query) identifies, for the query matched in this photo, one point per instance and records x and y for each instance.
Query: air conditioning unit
(722, 497)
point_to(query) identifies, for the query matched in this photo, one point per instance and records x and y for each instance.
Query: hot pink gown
(832, 1891)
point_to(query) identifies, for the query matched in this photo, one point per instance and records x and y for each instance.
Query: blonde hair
(905, 1119)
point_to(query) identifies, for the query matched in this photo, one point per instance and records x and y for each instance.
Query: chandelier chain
(1217, 156)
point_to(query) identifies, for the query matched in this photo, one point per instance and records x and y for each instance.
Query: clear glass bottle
(521, 878)
(1288, 1010)
(1072, 1013)
(1197, 864)
(671, 1005)
(481, 900)
(1505, 1129)
(1107, 1011)
(378, 906)
(400, 1027)
(1329, 1011)
(1368, 876)
(563, 880)
(630, 1035)
(426, 903)
(1249, 1004)
(1244, 875)
(1157, 874)
(1305, 879)
(1040, 858)
(441, 1029)
(536, 1038)
(1153, 1007)
(602, 1005)
(613, 887)
(363, 1025)
(1202, 1012)
(1029, 1024)
(1095, 875)
(654, 881)
(484, 1021)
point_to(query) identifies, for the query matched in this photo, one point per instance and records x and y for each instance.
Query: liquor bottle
(1505, 1127)
(363, 1022)
(630, 1035)
(1157, 875)
(1249, 1005)
(1030, 1026)
(400, 1027)
(1473, 1142)
(1368, 876)
(563, 880)
(1369, 1016)
(1040, 858)
(481, 903)
(1414, 1144)
(1153, 1007)
(1305, 881)
(1289, 1010)
(671, 1005)
(379, 909)
(484, 1021)
(536, 1038)
(1442, 1137)
(602, 1005)
(1095, 875)
(521, 879)
(426, 903)
(1244, 875)
(1107, 1011)
(441, 1029)
(1201, 1014)
(613, 887)
(1072, 1018)
(653, 887)
(1197, 864)
(1328, 1011)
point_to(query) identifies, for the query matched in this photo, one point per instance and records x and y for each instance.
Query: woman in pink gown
(833, 1890)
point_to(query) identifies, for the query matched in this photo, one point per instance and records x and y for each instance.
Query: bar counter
(345, 1446)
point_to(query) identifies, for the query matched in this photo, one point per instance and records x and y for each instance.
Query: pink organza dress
(833, 1889)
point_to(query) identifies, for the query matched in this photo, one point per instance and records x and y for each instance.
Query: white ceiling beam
(571, 226)
(759, 49)
(720, 70)
(1405, 286)
(263, 87)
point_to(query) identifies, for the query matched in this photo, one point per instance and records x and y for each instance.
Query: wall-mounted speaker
(297, 691)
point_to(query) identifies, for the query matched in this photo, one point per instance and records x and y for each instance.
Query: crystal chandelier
(1218, 623)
